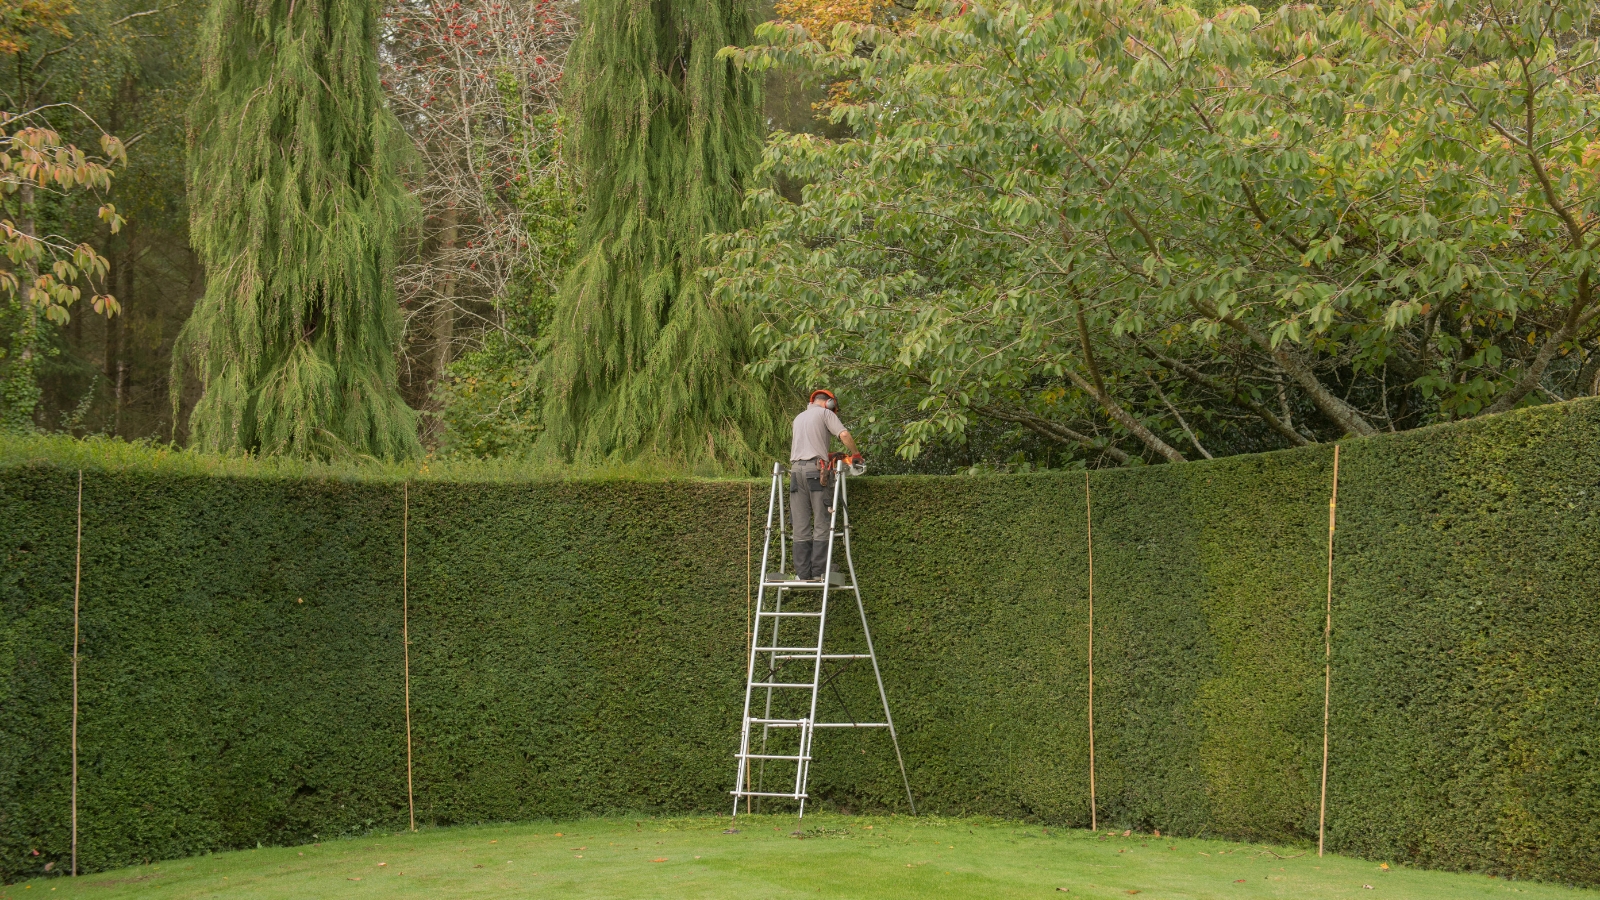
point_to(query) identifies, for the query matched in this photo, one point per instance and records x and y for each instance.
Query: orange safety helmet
(833, 402)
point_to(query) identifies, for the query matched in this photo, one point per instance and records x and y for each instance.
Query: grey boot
(819, 560)
(802, 559)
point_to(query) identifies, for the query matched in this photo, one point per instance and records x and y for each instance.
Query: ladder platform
(776, 580)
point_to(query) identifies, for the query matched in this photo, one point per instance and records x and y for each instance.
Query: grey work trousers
(808, 501)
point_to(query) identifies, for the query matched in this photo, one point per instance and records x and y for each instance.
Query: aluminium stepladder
(789, 701)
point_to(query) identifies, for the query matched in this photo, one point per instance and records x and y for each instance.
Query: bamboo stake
(1327, 653)
(1088, 514)
(405, 633)
(77, 584)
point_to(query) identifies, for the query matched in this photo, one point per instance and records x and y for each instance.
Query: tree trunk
(1282, 426)
(181, 391)
(1123, 418)
(1535, 371)
(22, 395)
(1589, 375)
(1049, 430)
(116, 364)
(1346, 416)
(444, 328)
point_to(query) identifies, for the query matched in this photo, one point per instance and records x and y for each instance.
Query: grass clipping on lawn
(835, 856)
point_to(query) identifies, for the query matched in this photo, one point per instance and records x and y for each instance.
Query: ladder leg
(822, 630)
(750, 669)
(778, 493)
(866, 630)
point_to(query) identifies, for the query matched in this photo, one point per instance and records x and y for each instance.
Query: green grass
(839, 857)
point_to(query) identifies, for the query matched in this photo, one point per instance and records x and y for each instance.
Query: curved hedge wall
(578, 647)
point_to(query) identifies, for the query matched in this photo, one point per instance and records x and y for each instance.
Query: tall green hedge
(578, 647)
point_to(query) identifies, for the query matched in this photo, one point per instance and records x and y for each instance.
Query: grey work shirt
(812, 430)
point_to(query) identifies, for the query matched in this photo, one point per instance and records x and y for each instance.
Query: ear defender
(833, 402)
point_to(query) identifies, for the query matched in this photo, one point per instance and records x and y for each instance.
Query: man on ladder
(788, 664)
(808, 497)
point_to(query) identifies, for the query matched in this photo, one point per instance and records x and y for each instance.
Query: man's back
(812, 430)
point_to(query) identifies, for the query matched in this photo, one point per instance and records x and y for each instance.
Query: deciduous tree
(37, 166)
(1146, 233)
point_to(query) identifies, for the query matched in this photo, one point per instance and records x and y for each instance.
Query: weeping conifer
(296, 205)
(645, 361)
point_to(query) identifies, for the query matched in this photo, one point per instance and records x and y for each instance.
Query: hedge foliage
(578, 647)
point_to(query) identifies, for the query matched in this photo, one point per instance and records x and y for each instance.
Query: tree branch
(1179, 416)
(1051, 430)
(1204, 380)
(1122, 417)
(1342, 413)
(1536, 369)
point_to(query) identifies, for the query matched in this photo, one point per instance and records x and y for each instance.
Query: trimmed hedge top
(97, 454)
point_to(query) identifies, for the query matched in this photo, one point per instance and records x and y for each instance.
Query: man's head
(825, 397)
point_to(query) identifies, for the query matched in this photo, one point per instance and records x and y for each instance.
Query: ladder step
(769, 794)
(795, 723)
(836, 582)
(827, 656)
(780, 684)
(810, 653)
(809, 614)
(768, 756)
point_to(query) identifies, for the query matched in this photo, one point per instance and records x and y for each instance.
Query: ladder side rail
(777, 620)
(783, 564)
(809, 730)
(872, 652)
(755, 626)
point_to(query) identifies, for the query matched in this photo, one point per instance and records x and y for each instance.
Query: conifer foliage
(296, 204)
(645, 360)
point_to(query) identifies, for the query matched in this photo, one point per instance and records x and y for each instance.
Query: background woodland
(1024, 236)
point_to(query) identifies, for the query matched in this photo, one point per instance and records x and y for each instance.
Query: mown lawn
(843, 857)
